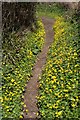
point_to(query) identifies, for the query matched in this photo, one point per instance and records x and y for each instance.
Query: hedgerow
(58, 93)
(15, 76)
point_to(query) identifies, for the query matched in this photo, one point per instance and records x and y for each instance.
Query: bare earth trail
(33, 84)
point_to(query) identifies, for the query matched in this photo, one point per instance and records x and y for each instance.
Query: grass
(50, 11)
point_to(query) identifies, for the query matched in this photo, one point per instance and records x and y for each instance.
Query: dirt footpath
(33, 84)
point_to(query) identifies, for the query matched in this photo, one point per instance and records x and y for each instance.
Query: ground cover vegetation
(59, 88)
(58, 93)
(15, 76)
(19, 54)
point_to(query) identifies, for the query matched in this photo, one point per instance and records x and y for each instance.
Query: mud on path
(33, 84)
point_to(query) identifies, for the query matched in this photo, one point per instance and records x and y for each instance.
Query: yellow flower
(1, 99)
(72, 99)
(58, 101)
(75, 54)
(61, 68)
(50, 90)
(26, 110)
(68, 65)
(65, 90)
(24, 105)
(21, 116)
(30, 52)
(54, 80)
(66, 95)
(55, 106)
(69, 88)
(73, 105)
(7, 107)
(40, 85)
(37, 113)
(56, 94)
(62, 85)
(53, 77)
(59, 113)
(22, 96)
(76, 65)
(62, 78)
(75, 70)
(10, 98)
(54, 86)
(49, 75)
(73, 85)
(12, 94)
(57, 83)
(77, 99)
(54, 70)
(46, 88)
(66, 70)
(50, 107)
(12, 80)
(6, 98)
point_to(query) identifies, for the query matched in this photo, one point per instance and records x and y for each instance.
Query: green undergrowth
(15, 76)
(58, 92)
(49, 10)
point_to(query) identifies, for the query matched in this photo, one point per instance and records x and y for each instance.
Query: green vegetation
(16, 75)
(58, 93)
(49, 10)
(16, 15)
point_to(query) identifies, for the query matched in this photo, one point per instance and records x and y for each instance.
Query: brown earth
(32, 87)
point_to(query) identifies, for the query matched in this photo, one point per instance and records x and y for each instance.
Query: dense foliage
(17, 14)
(16, 18)
(15, 76)
(58, 93)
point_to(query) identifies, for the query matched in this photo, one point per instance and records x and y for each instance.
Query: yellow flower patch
(60, 75)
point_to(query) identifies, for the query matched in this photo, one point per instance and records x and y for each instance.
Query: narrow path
(33, 84)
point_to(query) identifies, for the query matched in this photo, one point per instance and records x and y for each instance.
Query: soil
(33, 85)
